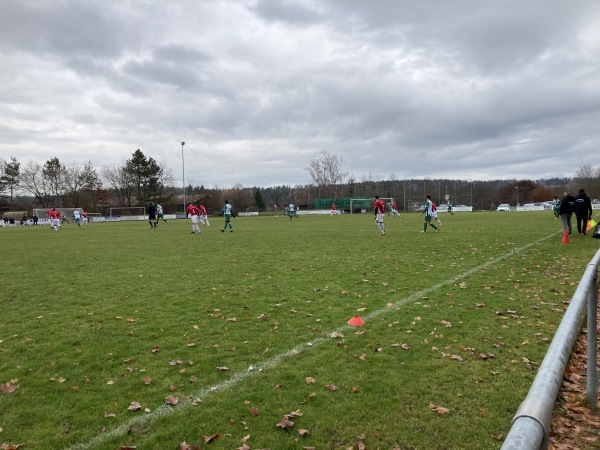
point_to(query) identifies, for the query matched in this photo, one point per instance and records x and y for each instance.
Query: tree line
(140, 179)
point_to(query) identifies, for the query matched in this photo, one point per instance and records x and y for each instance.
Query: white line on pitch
(165, 410)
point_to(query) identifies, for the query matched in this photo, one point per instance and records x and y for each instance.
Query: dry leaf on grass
(171, 400)
(209, 439)
(438, 409)
(285, 423)
(10, 387)
(134, 406)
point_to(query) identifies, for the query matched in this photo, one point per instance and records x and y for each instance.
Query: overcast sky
(462, 89)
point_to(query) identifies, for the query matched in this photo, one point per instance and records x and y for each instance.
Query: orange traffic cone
(356, 321)
(565, 239)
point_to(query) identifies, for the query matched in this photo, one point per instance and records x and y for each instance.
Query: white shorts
(379, 218)
(434, 215)
(55, 222)
(194, 220)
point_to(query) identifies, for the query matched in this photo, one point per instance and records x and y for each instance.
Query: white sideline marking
(165, 410)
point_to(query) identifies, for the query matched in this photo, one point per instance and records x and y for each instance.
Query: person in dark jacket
(567, 207)
(583, 210)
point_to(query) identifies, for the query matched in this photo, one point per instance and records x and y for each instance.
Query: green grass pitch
(114, 334)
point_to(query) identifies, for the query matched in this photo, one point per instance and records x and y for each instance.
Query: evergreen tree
(10, 177)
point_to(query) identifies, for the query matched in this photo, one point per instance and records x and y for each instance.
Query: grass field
(116, 335)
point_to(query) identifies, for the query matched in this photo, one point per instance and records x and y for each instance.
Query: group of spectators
(581, 205)
(24, 220)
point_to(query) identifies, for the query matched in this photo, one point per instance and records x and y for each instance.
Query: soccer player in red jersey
(203, 215)
(192, 211)
(379, 214)
(54, 216)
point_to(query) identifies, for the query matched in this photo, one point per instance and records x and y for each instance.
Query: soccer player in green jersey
(556, 207)
(227, 210)
(428, 210)
(160, 213)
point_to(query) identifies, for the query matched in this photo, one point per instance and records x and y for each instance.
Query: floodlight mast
(183, 174)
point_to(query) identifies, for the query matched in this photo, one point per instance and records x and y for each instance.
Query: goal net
(365, 204)
(125, 211)
(64, 212)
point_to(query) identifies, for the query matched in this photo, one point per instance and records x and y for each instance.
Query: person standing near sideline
(227, 210)
(567, 207)
(450, 207)
(379, 208)
(192, 211)
(152, 215)
(583, 211)
(428, 210)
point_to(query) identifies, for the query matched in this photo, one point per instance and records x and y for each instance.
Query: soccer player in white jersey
(227, 210)
(77, 217)
(160, 213)
(428, 210)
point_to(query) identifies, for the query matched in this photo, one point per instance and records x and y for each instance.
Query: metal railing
(531, 424)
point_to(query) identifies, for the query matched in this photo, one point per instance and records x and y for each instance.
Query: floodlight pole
(517, 189)
(183, 174)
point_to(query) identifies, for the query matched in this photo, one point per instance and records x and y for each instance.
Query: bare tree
(327, 171)
(586, 178)
(120, 181)
(80, 180)
(34, 182)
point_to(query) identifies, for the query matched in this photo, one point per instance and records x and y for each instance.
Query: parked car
(503, 207)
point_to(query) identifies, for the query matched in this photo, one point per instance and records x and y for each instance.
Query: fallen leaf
(171, 400)
(223, 369)
(439, 409)
(184, 446)
(134, 406)
(209, 439)
(254, 411)
(331, 387)
(310, 380)
(303, 432)
(294, 414)
(285, 423)
(9, 388)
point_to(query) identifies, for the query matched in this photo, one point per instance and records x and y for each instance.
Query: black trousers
(581, 222)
